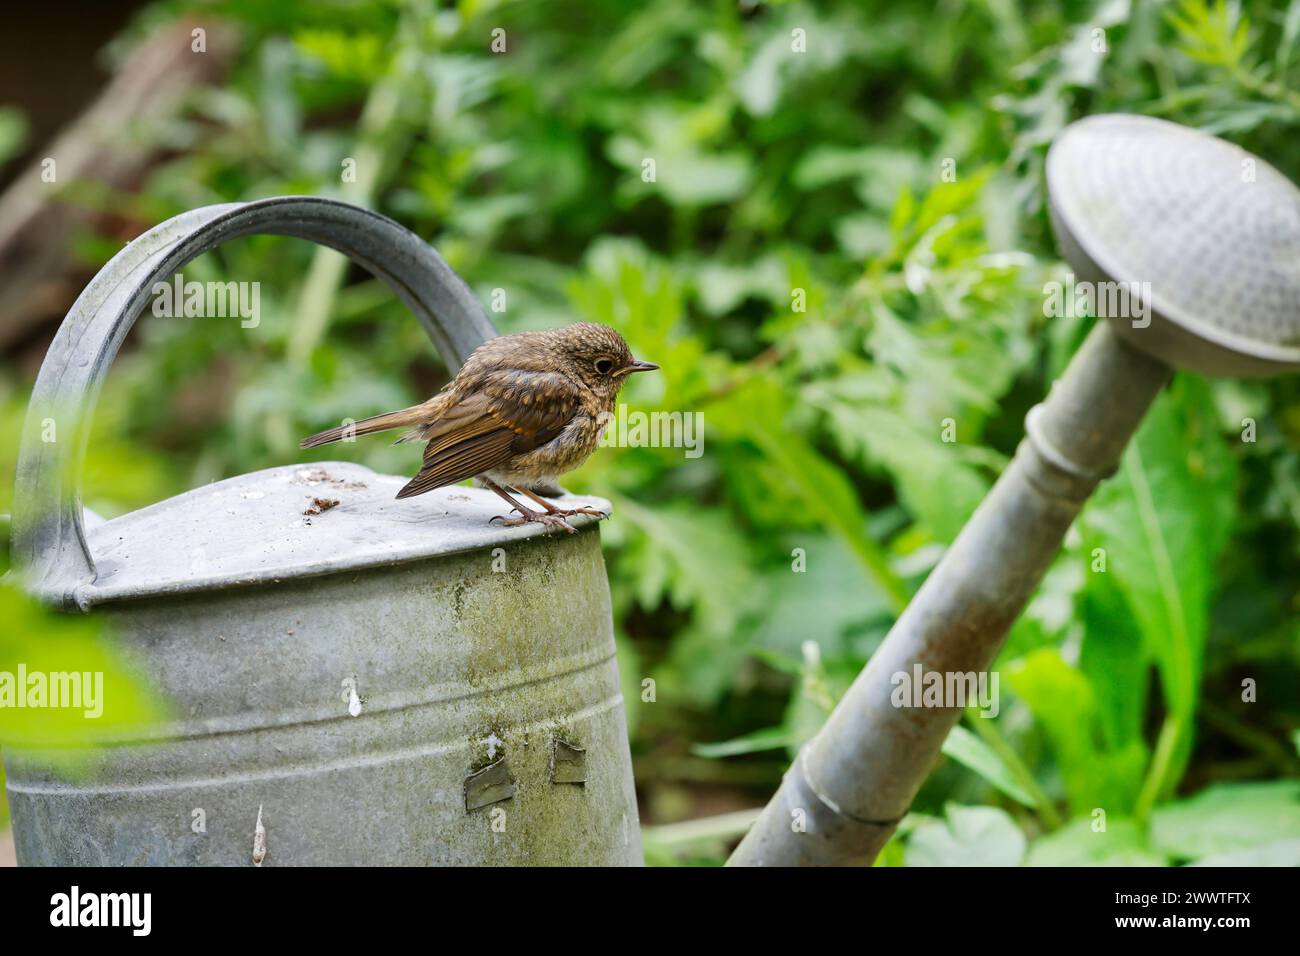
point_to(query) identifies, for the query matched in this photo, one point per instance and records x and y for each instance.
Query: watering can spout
(1197, 241)
(854, 781)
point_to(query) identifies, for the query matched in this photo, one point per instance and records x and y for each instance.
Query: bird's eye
(603, 366)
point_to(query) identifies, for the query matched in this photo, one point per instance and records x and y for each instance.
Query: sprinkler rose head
(1191, 242)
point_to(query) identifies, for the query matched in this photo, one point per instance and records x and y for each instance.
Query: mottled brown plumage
(523, 410)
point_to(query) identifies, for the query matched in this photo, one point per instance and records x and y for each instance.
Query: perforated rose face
(1208, 233)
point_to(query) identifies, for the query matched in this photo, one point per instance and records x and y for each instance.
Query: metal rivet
(490, 785)
(568, 763)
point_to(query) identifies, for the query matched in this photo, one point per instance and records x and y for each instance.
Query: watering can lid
(260, 528)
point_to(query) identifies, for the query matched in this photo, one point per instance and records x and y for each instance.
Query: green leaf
(693, 559)
(686, 171)
(1282, 853)
(13, 132)
(354, 56)
(1228, 817)
(1290, 32)
(1162, 522)
(1122, 843)
(41, 642)
(774, 68)
(769, 738)
(967, 836)
(696, 561)
(824, 489)
(1113, 659)
(1063, 703)
(1217, 35)
(974, 754)
(722, 287)
(819, 689)
(831, 601)
(936, 486)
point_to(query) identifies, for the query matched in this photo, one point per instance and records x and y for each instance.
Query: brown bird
(523, 410)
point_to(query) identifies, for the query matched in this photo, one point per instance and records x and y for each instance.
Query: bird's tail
(415, 415)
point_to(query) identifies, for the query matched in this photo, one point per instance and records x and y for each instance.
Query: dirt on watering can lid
(287, 522)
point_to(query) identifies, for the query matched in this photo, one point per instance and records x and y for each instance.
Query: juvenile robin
(523, 410)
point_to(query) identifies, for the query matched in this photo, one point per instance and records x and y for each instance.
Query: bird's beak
(642, 367)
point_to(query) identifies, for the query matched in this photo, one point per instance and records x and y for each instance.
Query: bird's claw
(537, 517)
(570, 512)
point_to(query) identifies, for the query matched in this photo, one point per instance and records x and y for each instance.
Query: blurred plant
(39, 641)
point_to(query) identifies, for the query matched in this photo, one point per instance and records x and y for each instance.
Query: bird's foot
(570, 512)
(549, 520)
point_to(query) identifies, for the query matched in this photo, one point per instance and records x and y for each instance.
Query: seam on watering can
(806, 777)
(368, 759)
(1056, 458)
(412, 704)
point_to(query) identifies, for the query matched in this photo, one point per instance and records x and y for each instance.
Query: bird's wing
(506, 412)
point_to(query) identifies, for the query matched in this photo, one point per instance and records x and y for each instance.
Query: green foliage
(971, 752)
(36, 640)
(966, 836)
(1166, 519)
(1227, 818)
(45, 642)
(1064, 703)
(838, 300)
(13, 132)
(1122, 843)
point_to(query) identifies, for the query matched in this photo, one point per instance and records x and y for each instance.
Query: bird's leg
(552, 510)
(528, 515)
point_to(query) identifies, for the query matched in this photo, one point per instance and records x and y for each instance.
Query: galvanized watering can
(385, 682)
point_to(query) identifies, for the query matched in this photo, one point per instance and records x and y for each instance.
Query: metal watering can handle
(49, 540)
